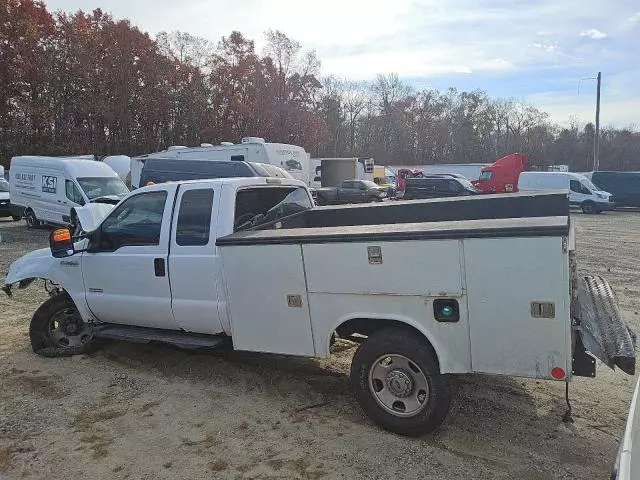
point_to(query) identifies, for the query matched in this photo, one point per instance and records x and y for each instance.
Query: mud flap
(601, 327)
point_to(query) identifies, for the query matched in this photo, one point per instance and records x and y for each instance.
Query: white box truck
(46, 189)
(331, 172)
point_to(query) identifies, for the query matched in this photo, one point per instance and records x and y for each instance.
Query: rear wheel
(57, 329)
(397, 382)
(30, 218)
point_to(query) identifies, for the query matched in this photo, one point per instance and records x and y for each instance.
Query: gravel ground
(152, 412)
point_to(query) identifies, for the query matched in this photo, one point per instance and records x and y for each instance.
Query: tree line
(86, 83)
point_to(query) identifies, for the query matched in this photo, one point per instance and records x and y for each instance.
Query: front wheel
(57, 329)
(589, 208)
(397, 382)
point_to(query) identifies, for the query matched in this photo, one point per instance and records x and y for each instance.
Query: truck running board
(147, 335)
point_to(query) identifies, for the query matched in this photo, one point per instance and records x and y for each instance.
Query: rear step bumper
(601, 328)
(147, 335)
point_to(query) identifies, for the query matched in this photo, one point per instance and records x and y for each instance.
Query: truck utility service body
(192, 263)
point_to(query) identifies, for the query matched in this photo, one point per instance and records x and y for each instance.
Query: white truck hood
(92, 214)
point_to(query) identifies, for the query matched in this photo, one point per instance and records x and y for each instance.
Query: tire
(427, 388)
(589, 208)
(30, 218)
(16, 218)
(57, 330)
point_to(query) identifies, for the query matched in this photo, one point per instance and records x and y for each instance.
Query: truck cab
(502, 175)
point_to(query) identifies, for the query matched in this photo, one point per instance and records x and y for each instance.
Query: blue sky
(536, 50)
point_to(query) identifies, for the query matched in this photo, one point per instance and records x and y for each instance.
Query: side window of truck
(73, 193)
(194, 217)
(137, 221)
(576, 186)
(454, 186)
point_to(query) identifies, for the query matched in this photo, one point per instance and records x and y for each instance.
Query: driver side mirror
(363, 187)
(61, 243)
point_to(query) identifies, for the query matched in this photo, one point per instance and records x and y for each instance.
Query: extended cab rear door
(195, 269)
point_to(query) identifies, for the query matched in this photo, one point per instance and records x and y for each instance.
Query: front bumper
(605, 206)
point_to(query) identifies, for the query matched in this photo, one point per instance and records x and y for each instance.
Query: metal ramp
(602, 328)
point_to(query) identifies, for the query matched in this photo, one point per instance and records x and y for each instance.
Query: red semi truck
(502, 175)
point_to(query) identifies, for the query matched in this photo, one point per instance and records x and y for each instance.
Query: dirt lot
(152, 412)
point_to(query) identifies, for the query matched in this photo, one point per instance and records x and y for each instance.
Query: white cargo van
(45, 189)
(582, 193)
(291, 158)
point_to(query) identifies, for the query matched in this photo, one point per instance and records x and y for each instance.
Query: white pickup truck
(435, 288)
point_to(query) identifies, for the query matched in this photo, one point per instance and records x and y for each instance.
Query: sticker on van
(49, 184)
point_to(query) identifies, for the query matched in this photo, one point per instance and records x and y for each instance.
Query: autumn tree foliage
(86, 83)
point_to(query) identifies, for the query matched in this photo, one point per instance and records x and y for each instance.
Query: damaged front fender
(59, 274)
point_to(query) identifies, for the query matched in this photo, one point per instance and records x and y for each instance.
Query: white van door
(125, 268)
(198, 304)
(51, 207)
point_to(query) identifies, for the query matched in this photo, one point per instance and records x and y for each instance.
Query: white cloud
(550, 47)
(464, 41)
(593, 33)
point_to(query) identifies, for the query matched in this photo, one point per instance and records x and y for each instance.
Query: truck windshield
(486, 176)
(260, 206)
(587, 183)
(467, 184)
(96, 187)
(369, 184)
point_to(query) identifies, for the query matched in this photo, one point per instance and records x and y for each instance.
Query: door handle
(158, 267)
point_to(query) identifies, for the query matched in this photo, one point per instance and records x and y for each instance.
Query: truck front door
(197, 290)
(125, 267)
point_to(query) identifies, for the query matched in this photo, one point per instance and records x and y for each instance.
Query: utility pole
(596, 140)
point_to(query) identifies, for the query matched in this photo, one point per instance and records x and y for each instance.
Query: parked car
(201, 263)
(435, 186)
(351, 191)
(46, 189)
(160, 170)
(291, 158)
(582, 193)
(623, 186)
(5, 207)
